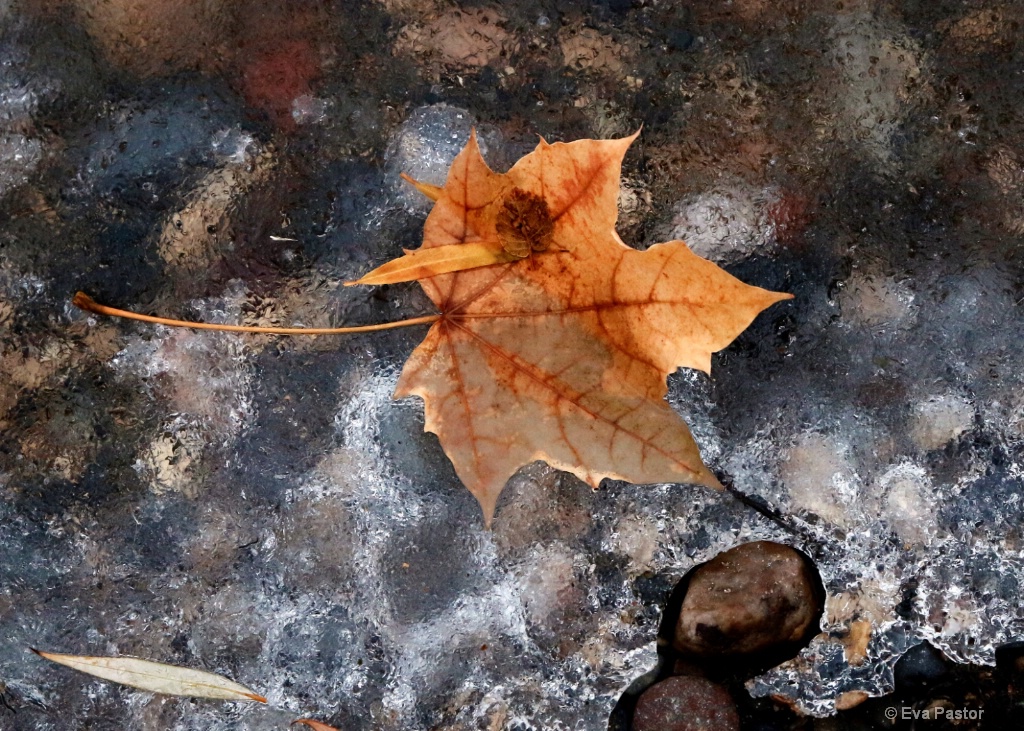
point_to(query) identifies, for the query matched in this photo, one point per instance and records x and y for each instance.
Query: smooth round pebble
(754, 598)
(685, 703)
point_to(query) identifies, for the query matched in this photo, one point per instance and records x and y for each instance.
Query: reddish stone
(272, 80)
(789, 216)
(685, 703)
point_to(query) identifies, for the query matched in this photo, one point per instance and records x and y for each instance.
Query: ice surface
(924, 469)
(879, 70)
(725, 224)
(20, 153)
(19, 156)
(261, 507)
(424, 148)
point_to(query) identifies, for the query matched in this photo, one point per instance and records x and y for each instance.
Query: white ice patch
(235, 146)
(909, 503)
(939, 420)
(308, 109)
(691, 395)
(375, 481)
(470, 622)
(423, 147)
(19, 157)
(203, 374)
(637, 539)
(821, 478)
(727, 223)
(206, 379)
(17, 103)
(544, 579)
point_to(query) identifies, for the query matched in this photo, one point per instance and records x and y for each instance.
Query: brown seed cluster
(524, 224)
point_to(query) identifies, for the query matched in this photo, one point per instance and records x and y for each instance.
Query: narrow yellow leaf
(425, 263)
(156, 677)
(315, 725)
(433, 192)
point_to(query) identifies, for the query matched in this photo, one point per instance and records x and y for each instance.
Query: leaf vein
(573, 400)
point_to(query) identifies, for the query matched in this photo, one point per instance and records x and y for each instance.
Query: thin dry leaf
(424, 263)
(315, 725)
(433, 192)
(562, 354)
(156, 677)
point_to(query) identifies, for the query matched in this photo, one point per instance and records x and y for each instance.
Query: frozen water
(880, 72)
(20, 154)
(156, 141)
(425, 144)
(261, 507)
(726, 224)
(307, 109)
(926, 469)
(424, 148)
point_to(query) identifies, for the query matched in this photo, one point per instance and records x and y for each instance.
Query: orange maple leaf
(562, 354)
(554, 339)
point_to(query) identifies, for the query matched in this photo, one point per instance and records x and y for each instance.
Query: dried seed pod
(524, 224)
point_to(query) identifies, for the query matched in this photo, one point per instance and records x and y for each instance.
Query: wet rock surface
(686, 703)
(761, 597)
(730, 618)
(920, 667)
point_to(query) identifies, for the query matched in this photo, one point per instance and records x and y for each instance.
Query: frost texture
(20, 153)
(261, 508)
(423, 149)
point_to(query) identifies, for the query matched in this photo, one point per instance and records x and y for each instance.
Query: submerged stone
(686, 703)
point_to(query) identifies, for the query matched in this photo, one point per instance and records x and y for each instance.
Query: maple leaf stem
(812, 542)
(85, 302)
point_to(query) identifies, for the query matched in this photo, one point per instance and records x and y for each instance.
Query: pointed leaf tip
(156, 677)
(433, 192)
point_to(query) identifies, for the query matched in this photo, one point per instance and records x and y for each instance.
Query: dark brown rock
(685, 703)
(752, 599)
